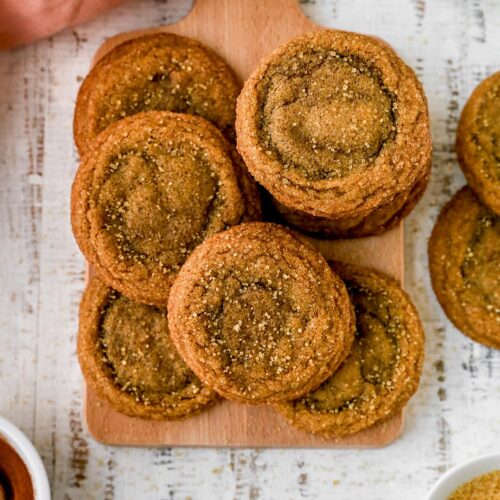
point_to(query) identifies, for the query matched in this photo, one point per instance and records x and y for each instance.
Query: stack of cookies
(464, 248)
(335, 126)
(193, 298)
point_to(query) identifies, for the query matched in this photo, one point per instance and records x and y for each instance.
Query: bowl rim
(487, 461)
(25, 448)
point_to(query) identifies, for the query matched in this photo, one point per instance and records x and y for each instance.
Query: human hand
(24, 21)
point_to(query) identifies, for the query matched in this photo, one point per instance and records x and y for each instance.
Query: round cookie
(156, 72)
(128, 358)
(154, 186)
(335, 125)
(464, 263)
(258, 315)
(380, 221)
(478, 141)
(383, 368)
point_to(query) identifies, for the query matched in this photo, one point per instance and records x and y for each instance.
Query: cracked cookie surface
(478, 141)
(153, 188)
(382, 370)
(335, 125)
(128, 358)
(258, 315)
(464, 262)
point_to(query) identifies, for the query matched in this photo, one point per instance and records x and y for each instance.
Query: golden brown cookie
(156, 72)
(383, 368)
(478, 141)
(154, 186)
(335, 125)
(258, 315)
(128, 358)
(380, 221)
(464, 262)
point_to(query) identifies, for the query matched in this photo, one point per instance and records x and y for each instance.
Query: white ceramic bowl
(462, 473)
(22, 445)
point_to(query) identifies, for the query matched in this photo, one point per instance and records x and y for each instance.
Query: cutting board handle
(241, 31)
(254, 9)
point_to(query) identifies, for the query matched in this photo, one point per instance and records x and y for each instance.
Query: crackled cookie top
(128, 357)
(464, 262)
(334, 124)
(324, 113)
(141, 365)
(478, 141)
(156, 185)
(157, 72)
(258, 315)
(383, 368)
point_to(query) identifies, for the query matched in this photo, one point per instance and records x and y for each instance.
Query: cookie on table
(155, 72)
(478, 141)
(335, 125)
(383, 368)
(154, 186)
(127, 358)
(259, 316)
(464, 262)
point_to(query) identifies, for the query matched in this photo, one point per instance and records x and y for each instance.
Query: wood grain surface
(243, 32)
(455, 415)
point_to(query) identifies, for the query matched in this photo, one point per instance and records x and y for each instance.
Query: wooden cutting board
(242, 32)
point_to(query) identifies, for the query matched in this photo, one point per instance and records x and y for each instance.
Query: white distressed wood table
(452, 44)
